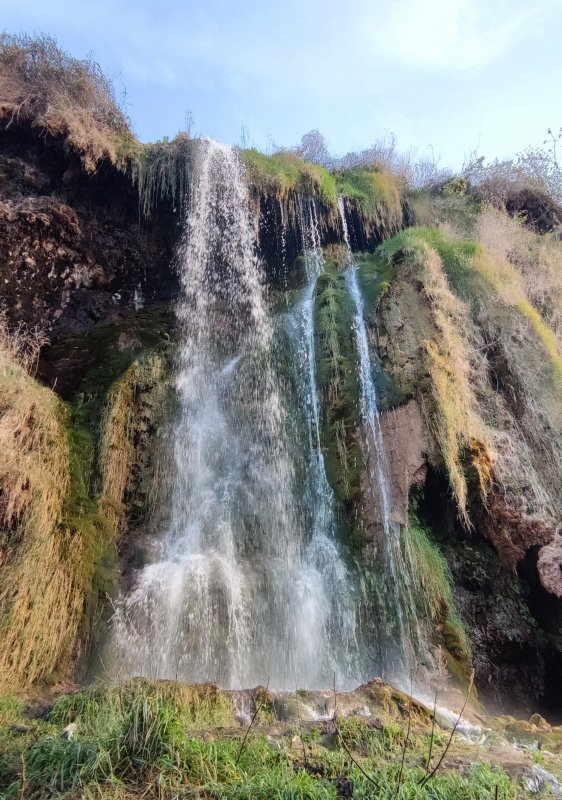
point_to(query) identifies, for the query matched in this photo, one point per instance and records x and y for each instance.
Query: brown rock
(406, 443)
(549, 566)
(511, 530)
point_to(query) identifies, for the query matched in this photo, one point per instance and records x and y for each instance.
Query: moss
(428, 344)
(137, 407)
(433, 589)
(284, 172)
(377, 194)
(338, 386)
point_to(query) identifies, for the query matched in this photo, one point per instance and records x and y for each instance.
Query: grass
(38, 603)
(161, 172)
(136, 404)
(433, 587)
(57, 541)
(283, 173)
(141, 739)
(378, 195)
(42, 85)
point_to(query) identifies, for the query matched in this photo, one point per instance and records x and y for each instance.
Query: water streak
(394, 597)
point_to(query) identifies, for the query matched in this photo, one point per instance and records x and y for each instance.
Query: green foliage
(160, 739)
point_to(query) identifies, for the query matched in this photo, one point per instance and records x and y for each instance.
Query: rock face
(407, 444)
(549, 566)
(77, 261)
(513, 532)
(73, 252)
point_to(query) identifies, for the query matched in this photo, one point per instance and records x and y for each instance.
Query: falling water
(394, 594)
(247, 582)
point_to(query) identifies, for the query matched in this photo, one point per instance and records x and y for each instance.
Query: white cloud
(456, 34)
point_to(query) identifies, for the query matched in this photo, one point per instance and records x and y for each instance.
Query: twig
(23, 778)
(256, 712)
(426, 778)
(428, 762)
(344, 745)
(407, 739)
(300, 727)
(441, 676)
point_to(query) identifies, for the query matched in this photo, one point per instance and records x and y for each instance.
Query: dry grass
(63, 96)
(445, 362)
(134, 404)
(538, 260)
(519, 377)
(39, 605)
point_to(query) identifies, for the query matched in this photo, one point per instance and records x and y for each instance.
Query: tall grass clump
(52, 535)
(135, 403)
(432, 586)
(39, 607)
(42, 85)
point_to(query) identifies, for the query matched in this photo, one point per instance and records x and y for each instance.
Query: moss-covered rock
(338, 385)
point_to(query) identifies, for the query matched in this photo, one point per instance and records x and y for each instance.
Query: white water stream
(247, 585)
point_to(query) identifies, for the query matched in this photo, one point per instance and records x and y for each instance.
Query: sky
(454, 75)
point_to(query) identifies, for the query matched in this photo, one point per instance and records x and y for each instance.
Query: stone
(549, 566)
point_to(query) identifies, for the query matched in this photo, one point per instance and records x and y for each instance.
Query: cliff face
(73, 251)
(472, 430)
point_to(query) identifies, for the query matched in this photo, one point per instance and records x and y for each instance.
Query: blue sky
(454, 74)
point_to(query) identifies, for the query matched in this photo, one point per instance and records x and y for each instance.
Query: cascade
(395, 605)
(246, 584)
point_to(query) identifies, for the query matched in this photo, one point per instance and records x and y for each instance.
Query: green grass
(433, 587)
(161, 171)
(284, 172)
(377, 194)
(138, 740)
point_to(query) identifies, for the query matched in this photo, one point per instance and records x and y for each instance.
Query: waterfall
(395, 604)
(247, 582)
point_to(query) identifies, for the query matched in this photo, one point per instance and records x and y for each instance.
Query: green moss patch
(284, 172)
(338, 385)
